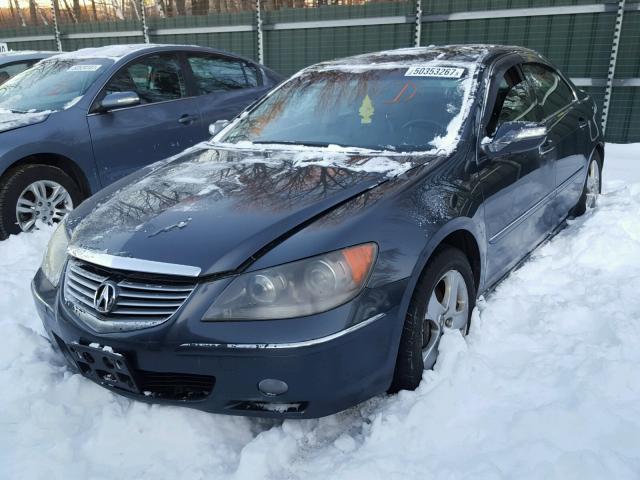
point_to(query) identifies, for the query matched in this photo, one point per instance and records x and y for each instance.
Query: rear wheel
(592, 187)
(33, 195)
(443, 299)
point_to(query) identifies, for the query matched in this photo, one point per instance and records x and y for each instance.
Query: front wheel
(35, 194)
(443, 299)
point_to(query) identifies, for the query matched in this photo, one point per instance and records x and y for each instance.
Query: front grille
(138, 303)
(175, 386)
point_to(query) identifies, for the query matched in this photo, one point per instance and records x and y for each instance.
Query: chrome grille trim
(139, 304)
(132, 264)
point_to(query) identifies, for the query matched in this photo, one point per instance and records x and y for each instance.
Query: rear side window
(552, 92)
(214, 74)
(11, 70)
(156, 78)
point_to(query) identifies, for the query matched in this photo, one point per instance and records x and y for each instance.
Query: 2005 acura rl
(312, 254)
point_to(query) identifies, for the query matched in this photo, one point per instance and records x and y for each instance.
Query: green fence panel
(287, 51)
(241, 43)
(70, 44)
(579, 44)
(623, 125)
(7, 33)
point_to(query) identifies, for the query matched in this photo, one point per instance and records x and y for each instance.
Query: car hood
(11, 120)
(216, 209)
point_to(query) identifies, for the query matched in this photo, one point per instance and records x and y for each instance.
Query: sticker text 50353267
(430, 71)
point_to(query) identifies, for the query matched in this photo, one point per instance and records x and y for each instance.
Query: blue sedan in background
(78, 121)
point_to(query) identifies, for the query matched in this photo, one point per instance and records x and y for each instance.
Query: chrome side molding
(269, 346)
(133, 264)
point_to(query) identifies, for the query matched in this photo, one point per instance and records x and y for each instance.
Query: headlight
(55, 255)
(305, 287)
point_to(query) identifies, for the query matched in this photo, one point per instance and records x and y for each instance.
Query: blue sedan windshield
(52, 84)
(383, 109)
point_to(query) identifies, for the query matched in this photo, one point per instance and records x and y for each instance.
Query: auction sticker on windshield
(439, 72)
(84, 68)
(3, 47)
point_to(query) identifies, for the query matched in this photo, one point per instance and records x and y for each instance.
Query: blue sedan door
(227, 85)
(166, 122)
(517, 187)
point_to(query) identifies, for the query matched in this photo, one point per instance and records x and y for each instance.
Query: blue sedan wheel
(34, 195)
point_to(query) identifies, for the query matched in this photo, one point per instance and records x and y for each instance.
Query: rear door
(225, 84)
(517, 187)
(166, 122)
(567, 133)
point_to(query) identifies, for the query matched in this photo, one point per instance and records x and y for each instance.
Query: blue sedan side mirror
(515, 137)
(115, 100)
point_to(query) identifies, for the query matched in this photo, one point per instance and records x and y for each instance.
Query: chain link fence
(578, 35)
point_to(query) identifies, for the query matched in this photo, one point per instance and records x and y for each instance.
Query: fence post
(143, 21)
(617, 32)
(259, 31)
(56, 30)
(418, 29)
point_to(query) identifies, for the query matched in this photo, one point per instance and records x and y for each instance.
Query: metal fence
(596, 43)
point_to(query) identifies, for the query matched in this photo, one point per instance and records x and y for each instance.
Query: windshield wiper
(316, 144)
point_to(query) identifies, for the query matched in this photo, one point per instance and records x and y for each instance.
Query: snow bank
(547, 385)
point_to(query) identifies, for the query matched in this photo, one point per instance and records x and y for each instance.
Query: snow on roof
(403, 57)
(113, 52)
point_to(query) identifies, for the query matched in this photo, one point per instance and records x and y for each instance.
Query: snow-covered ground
(547, 385)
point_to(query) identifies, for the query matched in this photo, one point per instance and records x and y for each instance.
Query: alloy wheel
(448, 308)
(43, 201)
(593, 184)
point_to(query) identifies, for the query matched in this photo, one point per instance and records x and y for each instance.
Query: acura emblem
(105, 297)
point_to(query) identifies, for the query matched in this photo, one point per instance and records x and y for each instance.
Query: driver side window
(513, 102)
(156, 78)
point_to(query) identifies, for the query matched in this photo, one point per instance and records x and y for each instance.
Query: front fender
(63, 134)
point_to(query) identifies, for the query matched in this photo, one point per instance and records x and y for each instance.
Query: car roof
(462, 53)
(125, 51)
(13, 56)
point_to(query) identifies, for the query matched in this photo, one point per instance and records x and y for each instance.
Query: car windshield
(52, 84)
(400, 109)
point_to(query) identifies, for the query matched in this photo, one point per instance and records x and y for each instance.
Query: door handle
(546, 147)
(187, 119)
(582, 122)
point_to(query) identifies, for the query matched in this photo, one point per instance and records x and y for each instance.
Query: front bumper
(323, 375)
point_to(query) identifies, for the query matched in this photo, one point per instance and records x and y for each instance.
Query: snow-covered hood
(214, 208)
(11, 120)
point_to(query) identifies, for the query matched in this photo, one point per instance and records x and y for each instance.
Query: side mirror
(515, 137)
(217, 127)
(116, 100)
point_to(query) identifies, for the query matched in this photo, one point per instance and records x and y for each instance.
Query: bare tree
(19, 10)
(181, 7)
(33, 14)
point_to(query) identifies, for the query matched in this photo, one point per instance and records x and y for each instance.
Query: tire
(410, 364)
(14, 184)
(585, 202)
